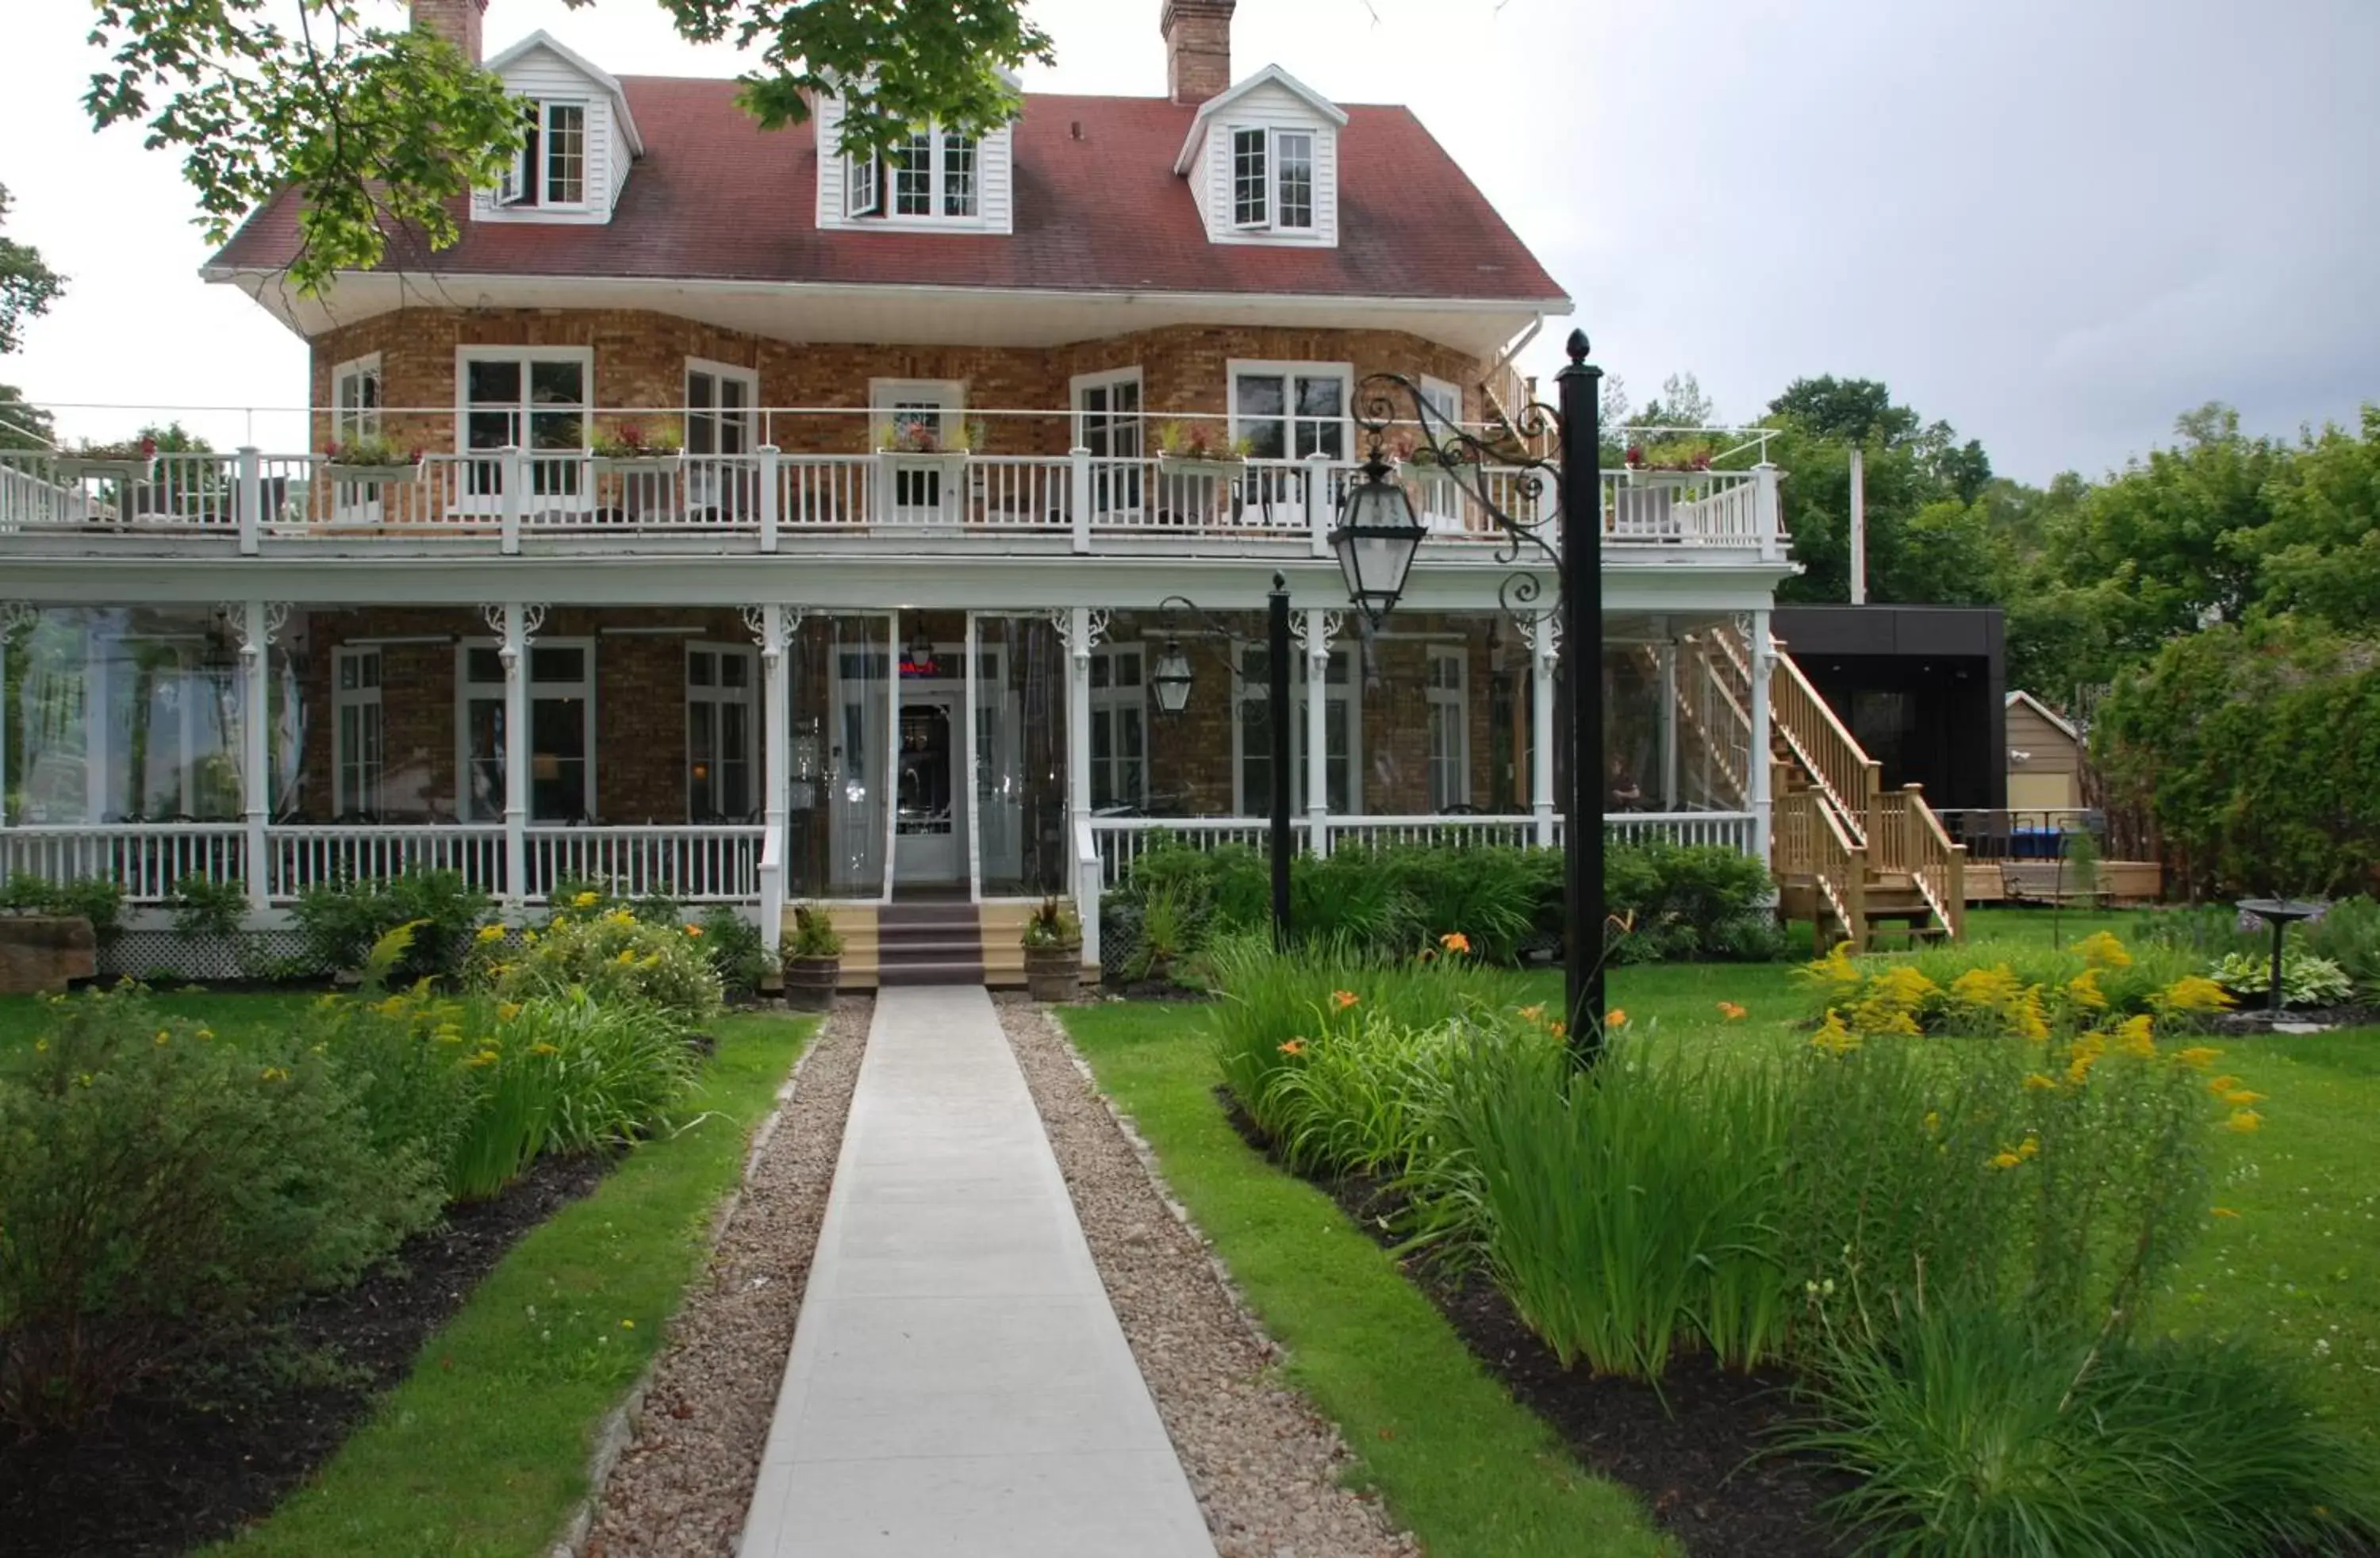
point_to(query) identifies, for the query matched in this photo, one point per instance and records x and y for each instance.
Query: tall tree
(27, 285)
(1854, 410)
(379, 129)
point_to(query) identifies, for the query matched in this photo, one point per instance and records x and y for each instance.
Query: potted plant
(127, 461)
(1200, 449)
(370, 461)
(630, 449)
(812, 960)
(1682, 457)
(1053, 951)
(922, 438)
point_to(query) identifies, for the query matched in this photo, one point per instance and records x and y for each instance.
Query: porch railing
(785, 474)
(693, 865)
(143, 859)
(304, 857)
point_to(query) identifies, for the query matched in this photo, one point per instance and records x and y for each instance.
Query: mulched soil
(1699, 1450)
(158, 1478)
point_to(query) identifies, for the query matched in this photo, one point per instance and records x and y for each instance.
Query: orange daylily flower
(1535, 1014)
(1455, 941)
(1616, 1017)
(1730, 1011)
(1342, 999)
(1294, 1047)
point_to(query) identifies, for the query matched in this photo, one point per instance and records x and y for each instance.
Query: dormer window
(934, 173)
(1272, 179)
(549, 169)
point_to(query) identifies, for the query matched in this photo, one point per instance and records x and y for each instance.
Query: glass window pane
(1320, 396)
(1248, 179)
(566, 153)
(483, 665)
(735, 670)
(557, 384)
(1296, 180)
(492, 380)
(958, 176)
(557, 665)
(698, 668)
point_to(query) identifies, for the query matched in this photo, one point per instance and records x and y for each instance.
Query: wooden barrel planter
(1053, 973)
(810, 982)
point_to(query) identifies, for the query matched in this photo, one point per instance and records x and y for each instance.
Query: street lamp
(1574, 517)
(1379, 533)
(1172, 677)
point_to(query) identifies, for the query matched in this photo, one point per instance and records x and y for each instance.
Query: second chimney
(457, 21)
(1198, 48)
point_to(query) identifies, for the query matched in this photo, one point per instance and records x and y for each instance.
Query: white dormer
(577, 139)
(1263, 162)
(935, 181)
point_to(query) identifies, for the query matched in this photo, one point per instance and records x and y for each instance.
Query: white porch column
(13, 614)
(256, 623)
(1545, 653)
(1763, 665)
(1669, 713)
(1082, 628)
(517, 623)
(1315, 629)
(970, 797)
(772, 626)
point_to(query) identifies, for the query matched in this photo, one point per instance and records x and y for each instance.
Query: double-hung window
(721, 427)
(561, 731)
(355, 420)
(1446, 688)
(532, 398)
(719, 736)
(933, 173)
(1108, 423)
(358, 736)
(1340, 733)
(549, 169)
(1272, 179)
(1119, 727)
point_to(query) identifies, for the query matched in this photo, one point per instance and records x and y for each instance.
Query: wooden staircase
(1857, 861)
(930, 943)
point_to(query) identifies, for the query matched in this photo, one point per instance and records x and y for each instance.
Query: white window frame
(871, 180)
(1271, 218)
(1449, 715)
(1288, 374)
(527, 184)
(572, 492)
(363, 418)
(1255, 689)
(719, 694)
(1114, 700)
(365, 800)
(746, 417)
(467, 691)
(1112, 379)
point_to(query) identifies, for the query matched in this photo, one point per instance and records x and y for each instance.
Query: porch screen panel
(1632, 729)
(47, 728)
(839, 757)
(1020, 718)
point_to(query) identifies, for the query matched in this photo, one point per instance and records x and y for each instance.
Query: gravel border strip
(1267, 1467)
(676, 1463)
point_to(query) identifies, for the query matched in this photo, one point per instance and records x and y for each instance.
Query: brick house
(888, 624)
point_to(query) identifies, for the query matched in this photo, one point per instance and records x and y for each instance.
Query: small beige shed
(2044, 757)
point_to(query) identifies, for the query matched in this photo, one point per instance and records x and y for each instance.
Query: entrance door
(925, 838)
(916, 420)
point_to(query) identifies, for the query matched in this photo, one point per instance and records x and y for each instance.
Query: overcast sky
(2055, 222)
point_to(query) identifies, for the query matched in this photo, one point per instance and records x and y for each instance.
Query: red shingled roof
(714, 197)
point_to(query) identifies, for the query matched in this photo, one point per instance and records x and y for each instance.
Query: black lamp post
(1368, 540)
(1170, 677)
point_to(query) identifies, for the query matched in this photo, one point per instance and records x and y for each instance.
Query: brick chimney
(457, 21)
(1197, 47)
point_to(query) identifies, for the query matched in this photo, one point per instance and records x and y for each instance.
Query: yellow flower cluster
(2100, 949)
(2194, 995)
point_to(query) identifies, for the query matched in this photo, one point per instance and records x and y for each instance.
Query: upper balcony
(766, 482)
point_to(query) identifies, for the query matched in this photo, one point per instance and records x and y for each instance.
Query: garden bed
(158, 1476)
(1698, 1450)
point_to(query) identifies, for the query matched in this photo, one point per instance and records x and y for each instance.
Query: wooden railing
(1811, 840)
(1835, 762)
(1917, 843)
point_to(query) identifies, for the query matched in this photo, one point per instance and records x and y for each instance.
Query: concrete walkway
(959, 1384)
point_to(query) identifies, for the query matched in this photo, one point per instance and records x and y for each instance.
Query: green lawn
(232, 1017)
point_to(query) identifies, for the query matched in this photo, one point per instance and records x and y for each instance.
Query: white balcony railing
(144, 861)
(693, 865)
(1026, 481)
(328, 856)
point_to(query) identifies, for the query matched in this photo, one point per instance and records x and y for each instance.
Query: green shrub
(161, 1194)
(814, 934)
(338, 924)
(94, 898)
(205, 910)
(1972, 1430)
(612, 956)
(2349, 934)
(734, 947)
(1677, 901)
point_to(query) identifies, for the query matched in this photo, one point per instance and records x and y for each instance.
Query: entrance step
(930, 943)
